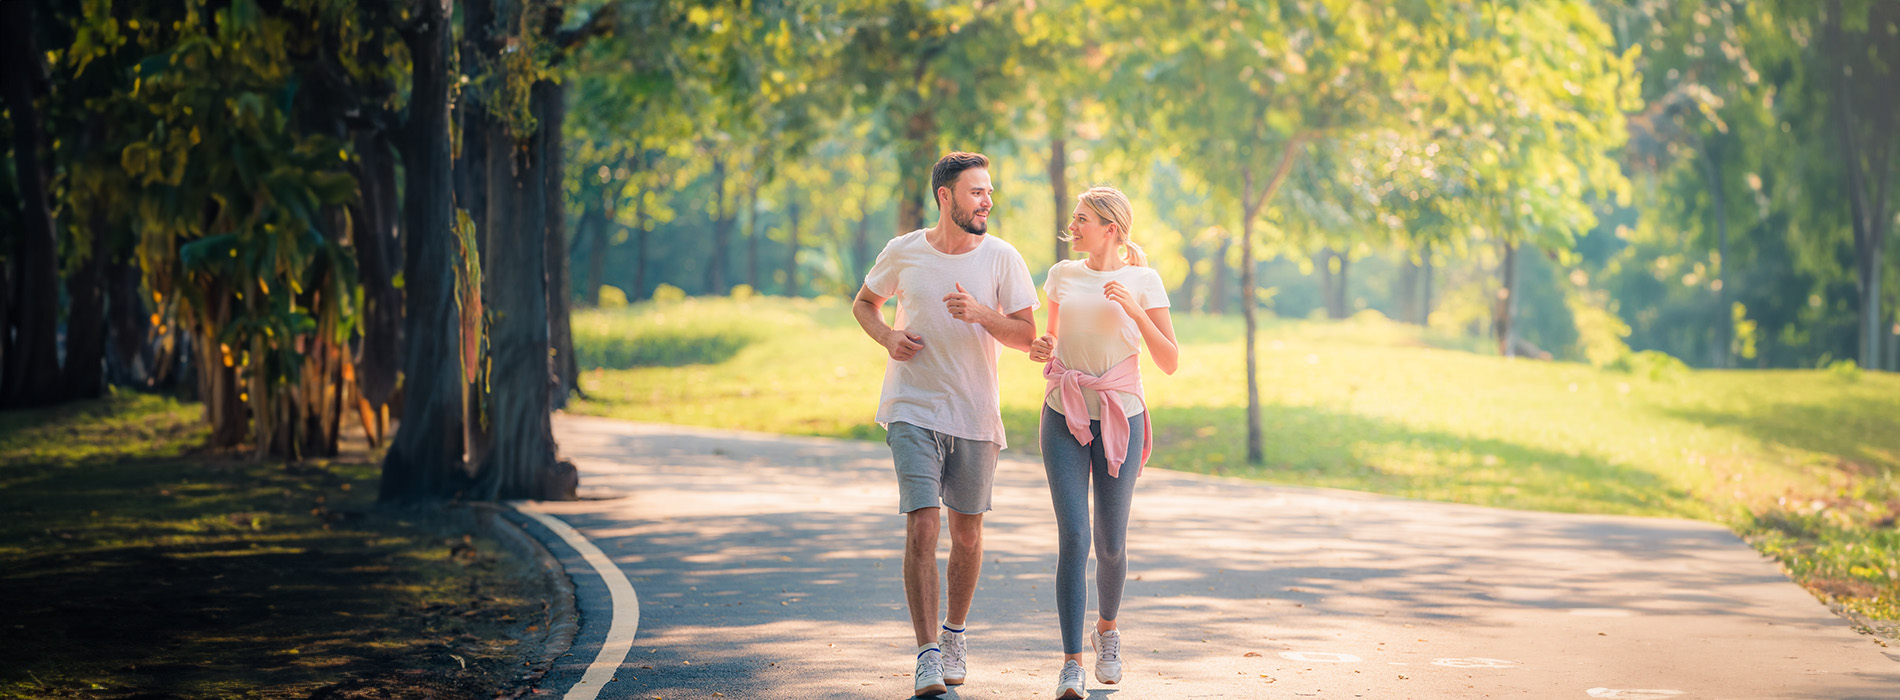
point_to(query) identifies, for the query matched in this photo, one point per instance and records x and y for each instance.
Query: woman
(1094, 422)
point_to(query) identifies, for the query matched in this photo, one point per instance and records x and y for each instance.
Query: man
(959, 293)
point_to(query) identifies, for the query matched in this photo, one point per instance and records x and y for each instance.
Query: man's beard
(967, 221)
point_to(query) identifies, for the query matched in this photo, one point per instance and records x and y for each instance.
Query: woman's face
(1089, 234)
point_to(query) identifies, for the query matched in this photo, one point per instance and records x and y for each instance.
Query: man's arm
(868, 308)
(1015, 331)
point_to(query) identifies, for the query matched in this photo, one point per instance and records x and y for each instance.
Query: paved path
(768, 567)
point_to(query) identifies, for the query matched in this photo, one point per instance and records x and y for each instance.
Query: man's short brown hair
(950, 167)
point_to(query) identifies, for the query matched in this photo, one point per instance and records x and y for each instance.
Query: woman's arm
(1045, 347)
(1157, 330)
(1157, 327)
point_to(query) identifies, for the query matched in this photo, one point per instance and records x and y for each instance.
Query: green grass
(1805, 464)
(135, 566)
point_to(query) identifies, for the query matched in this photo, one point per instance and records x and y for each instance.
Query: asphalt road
(768, 567)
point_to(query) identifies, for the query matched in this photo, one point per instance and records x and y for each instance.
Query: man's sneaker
(1108, 656)
(1070, 687)
(951, 642)
(930, 674)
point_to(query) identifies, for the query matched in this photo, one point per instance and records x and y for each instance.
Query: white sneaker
(930, 674)
(1070, 687)
(1108, 655)
(952, 645)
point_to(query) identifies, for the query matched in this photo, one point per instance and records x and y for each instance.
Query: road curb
(563, 620)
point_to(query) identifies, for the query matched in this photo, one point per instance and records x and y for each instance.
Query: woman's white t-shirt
(1093, 333)
(949, 386)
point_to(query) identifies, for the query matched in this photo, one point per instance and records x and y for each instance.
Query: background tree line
(305, 212)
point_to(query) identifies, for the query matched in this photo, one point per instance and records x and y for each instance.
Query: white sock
(928, 648)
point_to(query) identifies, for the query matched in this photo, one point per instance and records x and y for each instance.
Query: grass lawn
(1805, 464)
(133, 567)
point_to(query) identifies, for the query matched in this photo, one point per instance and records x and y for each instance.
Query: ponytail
(1134, 255)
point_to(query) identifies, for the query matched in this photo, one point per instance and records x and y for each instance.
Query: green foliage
(668, 293)
(1844, 370)
(611, 298)
(1652, 365)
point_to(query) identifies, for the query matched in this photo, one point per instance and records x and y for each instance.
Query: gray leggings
(1070, 466)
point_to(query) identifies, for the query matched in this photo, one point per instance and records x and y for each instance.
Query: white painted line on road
(626, 618)
(1474, 662)
(1632, 694)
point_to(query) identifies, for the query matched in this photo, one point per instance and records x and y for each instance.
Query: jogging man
(959, 294)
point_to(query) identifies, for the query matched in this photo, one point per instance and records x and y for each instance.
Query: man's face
(970, 201)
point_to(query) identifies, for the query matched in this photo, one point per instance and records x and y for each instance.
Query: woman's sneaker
(1070, 686)
(951, 642)
(930, 674)
(1108, 656)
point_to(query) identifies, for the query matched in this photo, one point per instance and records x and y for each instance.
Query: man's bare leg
(966, 564)
(920, 572)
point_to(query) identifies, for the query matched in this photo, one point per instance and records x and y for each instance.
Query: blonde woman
(1102, 311)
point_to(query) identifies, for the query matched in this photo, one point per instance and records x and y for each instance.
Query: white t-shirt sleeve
(1052, 285)
(1015, 290)
(882, 279)
(1153, 294)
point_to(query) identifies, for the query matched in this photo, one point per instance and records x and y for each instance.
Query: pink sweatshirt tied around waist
(1124, 378)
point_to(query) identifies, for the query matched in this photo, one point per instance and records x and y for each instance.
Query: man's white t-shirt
(1093, 333)
(950, 385)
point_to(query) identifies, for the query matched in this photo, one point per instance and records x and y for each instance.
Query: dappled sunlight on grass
(139, 567)
(1372, 405)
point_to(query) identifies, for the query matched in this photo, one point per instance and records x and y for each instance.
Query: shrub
(1844, 370)
(1653, 364)
(666, 293)
(612, 298)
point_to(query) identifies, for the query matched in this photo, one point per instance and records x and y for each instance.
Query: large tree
(424, 461)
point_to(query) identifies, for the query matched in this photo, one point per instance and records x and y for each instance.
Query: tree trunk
(560, 285)
(1425, 295)
(920, 139)
(791, 256)
(722, 230)
(1255, 453)
(129, 356)
(379, 254)
(85, 369)
(639, 252)
(752, 235)
(32, 360)
(218, 386)
(1059, 180)
(1724, 320)
(424, 461)
(1323, 263)
(1866, 161)
(1251, 209)
(1342, 289)
(861, 247)
(521, 462)
(595, 221)
(1218, 289)
(1183, 296)
(1405, 291)
(1505, 312)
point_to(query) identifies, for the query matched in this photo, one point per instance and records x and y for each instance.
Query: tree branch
(602, 22)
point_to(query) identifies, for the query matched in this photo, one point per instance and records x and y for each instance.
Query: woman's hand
(1120, 295)
(1043, 349)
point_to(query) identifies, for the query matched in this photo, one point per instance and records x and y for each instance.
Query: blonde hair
(1112, 207)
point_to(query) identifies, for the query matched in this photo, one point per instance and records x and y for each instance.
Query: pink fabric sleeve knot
(1124, 378)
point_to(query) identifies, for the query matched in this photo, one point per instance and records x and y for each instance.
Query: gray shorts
(932, 466)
